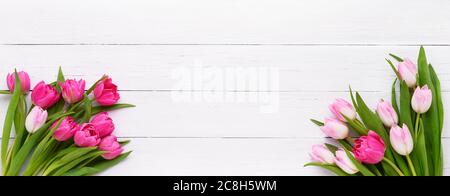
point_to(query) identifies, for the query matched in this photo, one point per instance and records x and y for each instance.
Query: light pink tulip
(408, 72)
(66, 129)
(321, 154)
(387, 114)
(369, 149)
(44, 95)
(344, 162)
(35, 119)
(341, 108)
(87, 136)
(335, 129)
(421, 99)
(106, 93)
(401, 140)
(103, 124)
(72, 90)
(111, 147)
(24, 81)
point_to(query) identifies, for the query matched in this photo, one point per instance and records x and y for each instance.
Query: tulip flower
(421, 99)
(66, 129)
(401, 140)
(103, 124)
(344, 162)
(341, 108)
(35, 119)
(111, 147)
(387, 114)
(320, 153)
(106, 93)
(87, 136)
(369, 149)
(44, 95)
(335, 129)
(24, 81)
(72, 90)
(408, 72)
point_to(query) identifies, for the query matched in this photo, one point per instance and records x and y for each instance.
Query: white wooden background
(319, 47)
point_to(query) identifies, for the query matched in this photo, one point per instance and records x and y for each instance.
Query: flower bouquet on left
(65, 132)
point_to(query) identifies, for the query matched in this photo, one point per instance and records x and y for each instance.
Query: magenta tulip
(335, 129)
(24, 81)
(87, 136)
(421, 99)
(369, 149)
(35, 119)
(111, 147)
(106, 93)
(408, 72)
(66, 129)
(44, 95)
(103, 124)
(320, 153)
(341, 108)
(72, 90)
(387, 114)
(345, 163)
(401, 140)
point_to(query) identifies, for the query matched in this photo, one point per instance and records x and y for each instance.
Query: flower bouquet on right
(400, 138)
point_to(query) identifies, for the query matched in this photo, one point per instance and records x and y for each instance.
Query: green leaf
(405, 106)
(331, 148)
(437, 86)
(95, 84)
(394, 97)
(356, 126)
(363, 169)
(87, 109)
(318, 123)
(124, 142)
(370, 119)
(333, 168)
(4, 92)
(19, 125)
(66, 167)
(99, 109)
(420, 151)
(69, 158)
(99, 166)
(394, 69)
(396, 57)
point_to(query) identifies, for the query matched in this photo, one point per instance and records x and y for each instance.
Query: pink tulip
(72, 90)
(335, 129)
(66, 129)
(369, 149)
(87, 136)
(44, 95)
(401, 140)
(35, 119)
(344, 162)
(106, 93)
(421, 99)
(341, 108)
(111, 147)
(103, 124)
(387, 114)
(408, 72)
(321, 154)
(24, 81)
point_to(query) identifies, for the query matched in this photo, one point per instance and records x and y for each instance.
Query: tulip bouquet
(401, 138)
(65, 131)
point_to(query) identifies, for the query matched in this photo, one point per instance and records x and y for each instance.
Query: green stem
(416, 127)
(393, 166)
(411, 166)
(350, 140)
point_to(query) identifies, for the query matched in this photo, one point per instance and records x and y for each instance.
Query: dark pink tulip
(103, 124)
(87, 136)
(72, 90)
(44, 95)
(111, 147)
(106, 93)
(66, 129)
(24, 81)
(369, 149)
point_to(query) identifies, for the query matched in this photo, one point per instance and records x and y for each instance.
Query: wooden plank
(300, 68)
(225, 22)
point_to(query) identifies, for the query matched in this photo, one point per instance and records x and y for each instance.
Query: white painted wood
(225, 22)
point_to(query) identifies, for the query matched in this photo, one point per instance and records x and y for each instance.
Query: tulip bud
(44, 95)
(103, 124)
(111, 147)
(401, 140)
(106, 93)
(408, 72)
(35, 119)
(344, 162)
(24, 81)
(369, 149)
(387, 114)
(72, 90)
(66, 129)
(321, 154)
(87, 136)
(341, 108)
(335, 129)
(421, 99)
